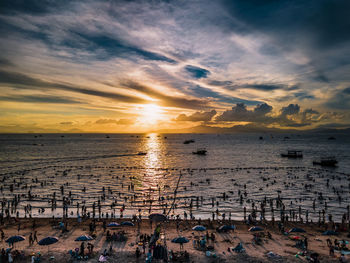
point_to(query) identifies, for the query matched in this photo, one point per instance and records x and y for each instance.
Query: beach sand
(125, 251)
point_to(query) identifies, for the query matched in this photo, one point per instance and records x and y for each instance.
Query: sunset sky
(140, 66)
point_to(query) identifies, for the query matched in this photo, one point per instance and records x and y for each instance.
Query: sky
(141, 66)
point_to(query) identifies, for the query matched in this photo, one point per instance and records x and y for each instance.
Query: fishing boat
(293, 154)
(200, 151)
(189, 141)
(326, 161)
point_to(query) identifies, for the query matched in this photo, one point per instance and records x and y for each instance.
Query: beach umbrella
(113, 224)
(255, 228)
(84, 238)
(157, 217)
(127, 223)
(225, 228)
(180, 240)
(329, 233)
(199, 228)
(297, 230)
(15, 239)
(48, 241)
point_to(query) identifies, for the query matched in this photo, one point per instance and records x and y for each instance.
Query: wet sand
(125, 251)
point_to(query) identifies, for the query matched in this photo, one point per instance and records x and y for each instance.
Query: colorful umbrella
(199, 228)
(84, 238)
(127, 223)
(113, 224)
(255, 228)
(15, 239)
(48, 241)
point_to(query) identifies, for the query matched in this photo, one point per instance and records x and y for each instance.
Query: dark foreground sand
(125, 251)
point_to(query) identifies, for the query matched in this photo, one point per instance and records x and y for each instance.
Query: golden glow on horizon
(150, 114)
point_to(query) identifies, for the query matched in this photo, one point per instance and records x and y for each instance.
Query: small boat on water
(141, 153)
(331, 138)
(200, 151)
(326, 161)
(293, 154)
(189, 141)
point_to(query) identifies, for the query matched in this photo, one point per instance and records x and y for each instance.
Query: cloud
(220, 82)
(289, 116)
(197, 116)
(340, 100)
(197, 55)
(327, 25)
(39, 99)
(241, 113)
(113, 121)
(26, 82)
(291, 109)
(66, 123)
(166, 100)
(114, 48)
(201, 92)
(264, 87)
(197, 72)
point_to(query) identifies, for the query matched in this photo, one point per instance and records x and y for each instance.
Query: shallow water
(233, 161)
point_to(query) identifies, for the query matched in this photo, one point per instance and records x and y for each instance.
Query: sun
(150, 113)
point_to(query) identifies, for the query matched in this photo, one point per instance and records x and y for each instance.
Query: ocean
(239, 170)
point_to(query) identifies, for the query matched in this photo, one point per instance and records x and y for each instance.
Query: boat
(326, 161)
(189, 141)
(141, 153)
(107, 136)
(200, 151)
(331, 138)
(293, 154)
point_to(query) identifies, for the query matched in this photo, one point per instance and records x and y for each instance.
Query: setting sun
(150, 114)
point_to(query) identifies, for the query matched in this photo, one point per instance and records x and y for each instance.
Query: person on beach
(82, 248)
(342, 258)
(31, 239)
(35, 238)
(306, 243)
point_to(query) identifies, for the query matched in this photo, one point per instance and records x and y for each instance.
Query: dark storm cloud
(21, 81)
(34, 7)
(197, 116)
(324, 23)
(39, 99)
(197, 72)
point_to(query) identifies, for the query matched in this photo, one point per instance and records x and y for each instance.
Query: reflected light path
(153, 145)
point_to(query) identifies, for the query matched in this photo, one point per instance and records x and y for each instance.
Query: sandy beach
(282, 246)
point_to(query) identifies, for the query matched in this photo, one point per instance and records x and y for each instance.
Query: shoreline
(281, 245)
